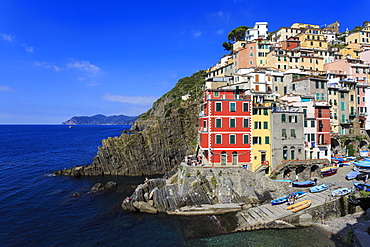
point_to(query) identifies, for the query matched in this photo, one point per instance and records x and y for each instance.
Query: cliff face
(159, 139)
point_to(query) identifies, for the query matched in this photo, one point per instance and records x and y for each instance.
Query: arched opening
(235, 158)
(287, 173)
(314, 170)
(292, 153)
(223, 158)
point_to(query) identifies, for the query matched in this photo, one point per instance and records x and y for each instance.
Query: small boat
(283, 180)
(341, 192)
(362, 186)
(299, 205)
(347, 163)
(362, 164)
(319, 188)
(329, 171)
(304, 183)
(352, 175)
(279, 200)
(298, 194)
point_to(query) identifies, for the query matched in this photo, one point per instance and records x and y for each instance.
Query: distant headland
(101, 120)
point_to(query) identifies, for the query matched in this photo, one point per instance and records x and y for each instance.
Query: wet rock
(111, 184)
(144, 207)
(75, 194)
(98, 186)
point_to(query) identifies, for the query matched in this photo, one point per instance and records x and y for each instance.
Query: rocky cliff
(213, 190)
(158, 141)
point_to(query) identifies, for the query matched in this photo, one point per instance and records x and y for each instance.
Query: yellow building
(312, 38)
(352, 49)
(261, 134)
(360, 37)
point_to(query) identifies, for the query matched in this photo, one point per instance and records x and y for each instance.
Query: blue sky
(60, 59)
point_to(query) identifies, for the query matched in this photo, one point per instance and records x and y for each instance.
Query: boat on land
(341, 192)
(346, 163)
(283, 180)
(304, 183)
(362, 186)
(362, 165)
(319, 188)
(299, 205)
(329, 171)
(279, 200)
(283, 199)
(352, 175)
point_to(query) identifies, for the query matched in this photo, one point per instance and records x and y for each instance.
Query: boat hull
(319, 188)
(341, 192)
(299, 204)
(362, 186)
(352, 175)
(304, 183)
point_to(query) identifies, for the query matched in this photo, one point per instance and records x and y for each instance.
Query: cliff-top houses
(285, 96)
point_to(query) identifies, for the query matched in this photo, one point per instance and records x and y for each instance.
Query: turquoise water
(38, 209)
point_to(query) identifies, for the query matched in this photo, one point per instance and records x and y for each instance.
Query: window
(232, 123)
(342, 95)
(257, 125)
(265, 125)
(232, 107)
(232, 139)
(283, 118)
(257, 140)
(281, 79)
(322, 96)
(245, 139)
(245, 107)
(317, 84)
(292, 133)
(343, 118)
(292, 119)
(305, 123)
(352, 97)
(218, 139)
(265, 112)
(317, 96)
(293, 87)
(319, 113)
(218, 122)
(267, 140)
(283, 133)
(312, 137)
(292, 154)
(218, 106)
(322, 85)
(217, 94)
(342, 106)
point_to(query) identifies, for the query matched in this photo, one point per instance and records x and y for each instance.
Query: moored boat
(303, 206)
(362, 165)
(304, 183)
(362, 186)
(319, 188)
(283, 180)
(341, 192)
(298, 194)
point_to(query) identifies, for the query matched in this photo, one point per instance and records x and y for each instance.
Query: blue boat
(283, 180)
(341, 192)
(319, 188)
(304, 183)
(362, 165)
(298, 194)
(279, 200)
(352, 175)
(362, 186)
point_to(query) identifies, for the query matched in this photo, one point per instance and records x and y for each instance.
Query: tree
(227, 46)
(237, 34)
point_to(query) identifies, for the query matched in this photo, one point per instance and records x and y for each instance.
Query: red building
(322, 115)
(225, 131)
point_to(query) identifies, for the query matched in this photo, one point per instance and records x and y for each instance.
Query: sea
(39, 209)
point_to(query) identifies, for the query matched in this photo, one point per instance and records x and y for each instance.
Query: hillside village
(295, 96)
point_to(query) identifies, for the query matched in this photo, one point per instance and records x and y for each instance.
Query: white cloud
(29, 49)
(196, 34)
(7, 37)
(47, 66)
(6, 89)
(85, 66)
(220, 31)
(134, 100)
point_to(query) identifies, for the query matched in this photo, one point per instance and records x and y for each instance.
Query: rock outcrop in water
(159, 139)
